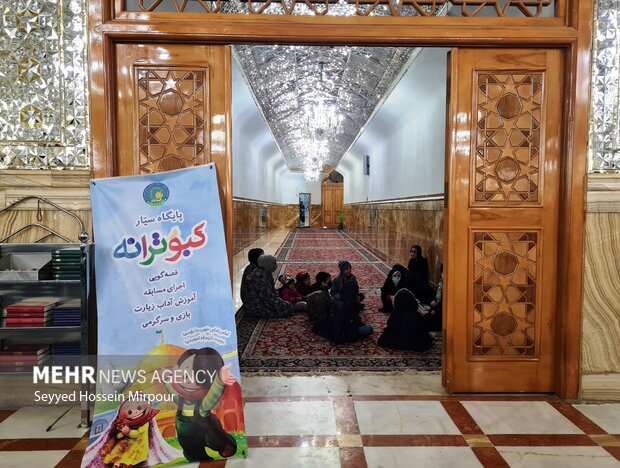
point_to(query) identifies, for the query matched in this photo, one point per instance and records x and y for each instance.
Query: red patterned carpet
(288, 345)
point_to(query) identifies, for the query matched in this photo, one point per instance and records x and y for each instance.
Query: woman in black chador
(418, 265)
(405, 328)
(395, 280)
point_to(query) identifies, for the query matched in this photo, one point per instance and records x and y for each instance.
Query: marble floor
(367, 420)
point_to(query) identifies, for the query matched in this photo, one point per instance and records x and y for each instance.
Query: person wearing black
(394, 281)
(323, 280)
(263, 300)
(253, 255)
(433, 318)
(419, 287)
(405, 328)
(342, 323)
(417, 263)
(318, 298)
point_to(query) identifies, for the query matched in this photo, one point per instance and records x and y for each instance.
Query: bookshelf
(79, 291)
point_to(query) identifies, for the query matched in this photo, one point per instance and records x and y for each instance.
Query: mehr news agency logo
(156, 194)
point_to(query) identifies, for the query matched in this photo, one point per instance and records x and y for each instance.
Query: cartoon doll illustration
(132, 440)
(198, 428)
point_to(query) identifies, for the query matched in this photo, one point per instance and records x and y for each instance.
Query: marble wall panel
(391, 228)
(67, 189)
(601, 296)
(282, 216)
(246, 223)
(316, 216)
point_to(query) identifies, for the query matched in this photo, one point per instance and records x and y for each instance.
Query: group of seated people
(335, 307)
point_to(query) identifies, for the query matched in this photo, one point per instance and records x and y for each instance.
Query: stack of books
(23, 357)
(32, 312)
(66, 349)
(67, 314)
(66, 264)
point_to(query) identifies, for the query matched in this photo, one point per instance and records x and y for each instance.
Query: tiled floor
(369, 420)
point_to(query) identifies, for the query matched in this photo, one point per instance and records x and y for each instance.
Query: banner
(168, 388)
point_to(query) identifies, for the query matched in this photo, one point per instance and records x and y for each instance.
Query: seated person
(262, 299)
(342, 322)
(417, 263)
(419, 287)
(393, 282)
(318, 298)
(253, 255)
(433, 318)
(344, 277)
(288, 292)
(405, 328)
(302, 282)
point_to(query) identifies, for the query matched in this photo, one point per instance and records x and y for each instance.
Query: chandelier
(322, 124)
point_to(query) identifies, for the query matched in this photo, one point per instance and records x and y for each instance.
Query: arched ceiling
(286, 80)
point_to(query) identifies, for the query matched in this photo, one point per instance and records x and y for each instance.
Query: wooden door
(173, 110)
(503, 169)
(331, 204)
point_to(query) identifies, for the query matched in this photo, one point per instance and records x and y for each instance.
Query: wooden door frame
(569, 30)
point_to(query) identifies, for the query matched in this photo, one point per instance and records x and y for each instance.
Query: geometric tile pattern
(340, 435)
(43, 92)
(605, 95)
(505, 273)
(508, 138)
(171, 118)
(527, 8)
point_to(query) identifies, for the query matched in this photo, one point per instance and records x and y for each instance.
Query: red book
(17, 367)
(25, 349)
(26, 320)
(28, 325)
(23, 359)
(21, 314)
(30, 308)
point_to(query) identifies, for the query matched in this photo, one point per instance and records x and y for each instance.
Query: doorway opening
(304, 210)
(389, 103)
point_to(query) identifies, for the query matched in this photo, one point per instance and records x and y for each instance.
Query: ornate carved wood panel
(505, 272)
(172, 105)
(493, 8)
(173, 110)
(503, 205)
(508, 137)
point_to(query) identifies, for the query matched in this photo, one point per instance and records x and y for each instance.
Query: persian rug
(288, 345)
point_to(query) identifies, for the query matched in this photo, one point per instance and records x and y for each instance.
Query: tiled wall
(68, 189)
(601, 298)
(391, 228)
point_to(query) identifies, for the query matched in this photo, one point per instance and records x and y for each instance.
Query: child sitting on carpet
(302, 283)
(342, 322)
(289, 293)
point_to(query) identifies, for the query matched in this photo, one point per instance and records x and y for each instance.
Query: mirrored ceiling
(317, 100)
